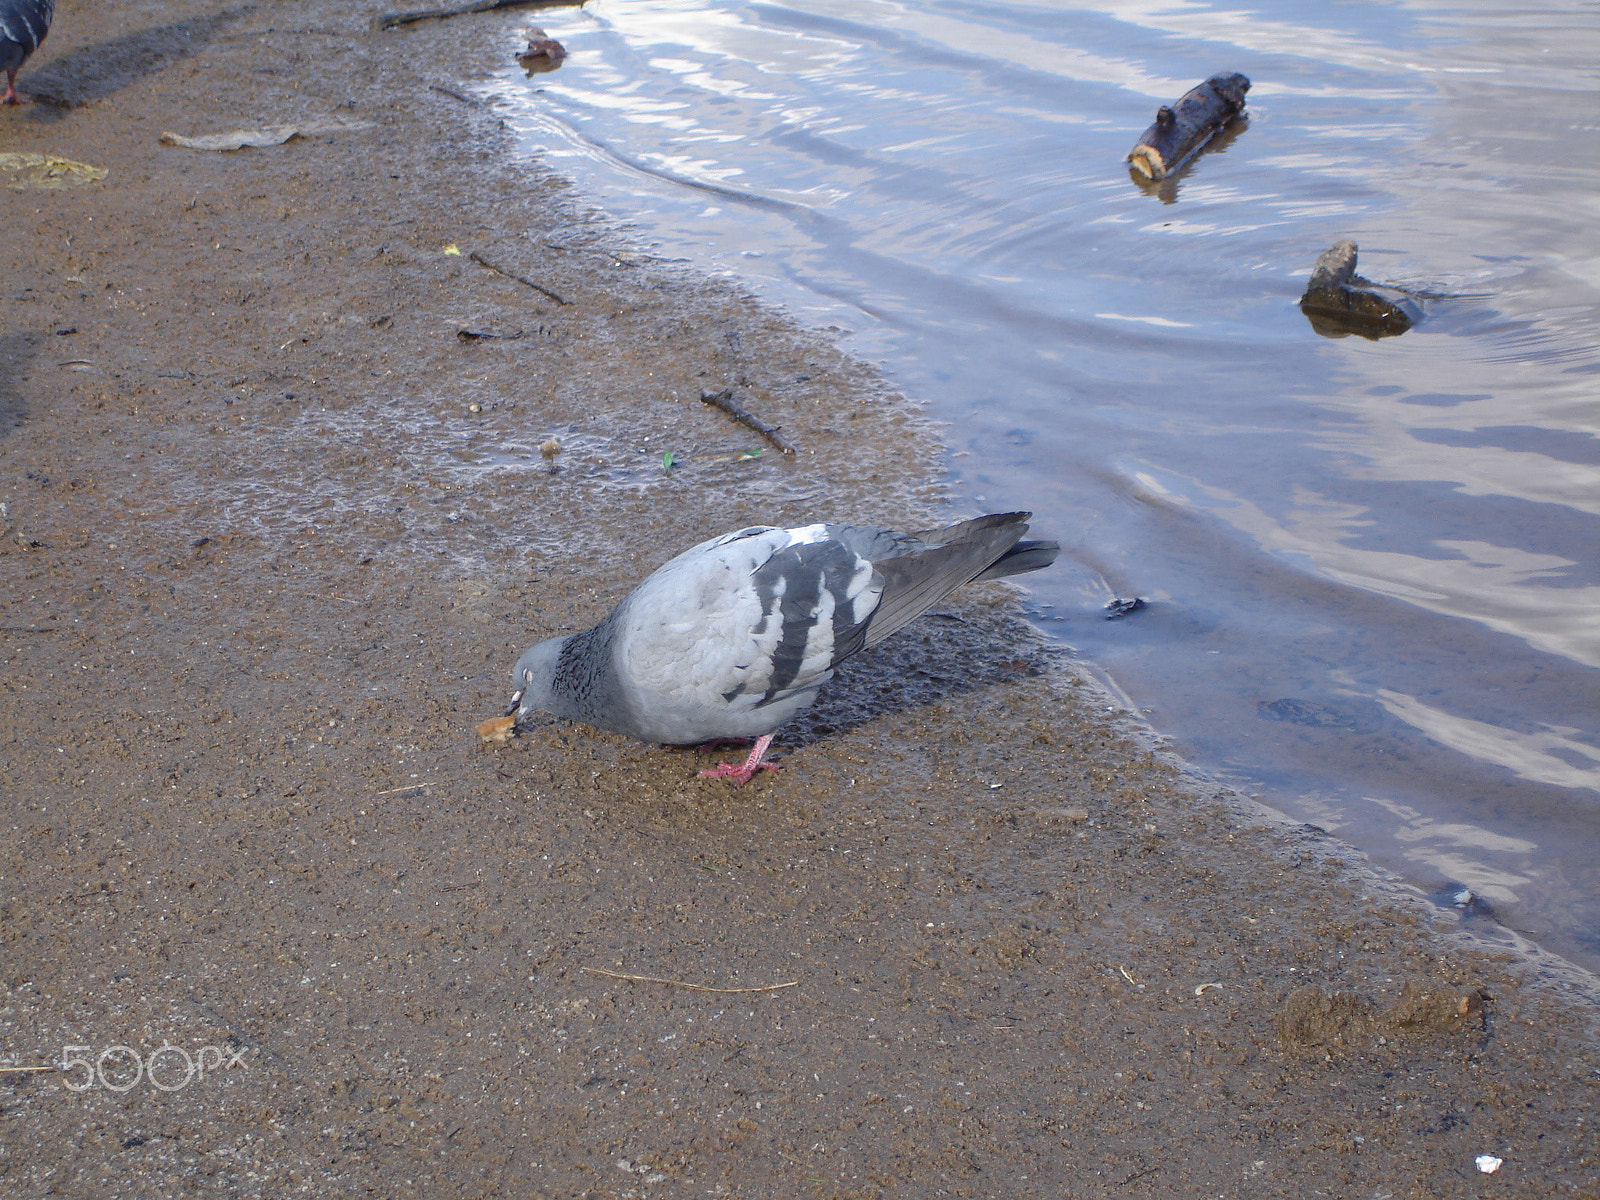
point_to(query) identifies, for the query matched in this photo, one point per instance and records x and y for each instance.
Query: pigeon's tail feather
(947, 558)
(1030, 555)
(966, 530)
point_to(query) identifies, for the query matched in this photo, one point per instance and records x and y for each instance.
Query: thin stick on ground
(24, 1070)
(725, 401)
(693, 987)
(543, 291)
(455, 95)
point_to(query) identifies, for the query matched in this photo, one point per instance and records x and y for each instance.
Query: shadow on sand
(92, 73)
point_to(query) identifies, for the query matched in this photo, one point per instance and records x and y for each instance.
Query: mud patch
(1312, 1017)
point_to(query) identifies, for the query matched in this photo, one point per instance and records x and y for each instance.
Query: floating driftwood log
(544, 53)
(1339, 302)
(1184, 127)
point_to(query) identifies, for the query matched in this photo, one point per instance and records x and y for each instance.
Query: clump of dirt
(1312, 1017)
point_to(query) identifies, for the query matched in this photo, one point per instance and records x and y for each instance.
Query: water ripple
(1406, 526)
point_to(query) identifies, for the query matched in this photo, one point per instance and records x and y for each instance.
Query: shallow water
(1370, 564)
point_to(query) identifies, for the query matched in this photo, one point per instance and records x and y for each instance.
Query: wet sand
(273, 533)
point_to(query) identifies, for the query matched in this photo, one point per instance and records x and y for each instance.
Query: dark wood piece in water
(544, 53)
(1339, 302)
(1184, 127)
(397, 19)
(725, 401)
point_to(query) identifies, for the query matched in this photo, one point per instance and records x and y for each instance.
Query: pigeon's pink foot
(740, 775)
(13, 96)
(746, 771)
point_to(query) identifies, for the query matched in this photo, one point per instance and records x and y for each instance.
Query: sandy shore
(273, 533)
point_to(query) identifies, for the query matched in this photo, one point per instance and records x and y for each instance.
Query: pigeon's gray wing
(735, 636)
(927, 567)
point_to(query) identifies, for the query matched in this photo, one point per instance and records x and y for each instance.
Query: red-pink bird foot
(746, 771)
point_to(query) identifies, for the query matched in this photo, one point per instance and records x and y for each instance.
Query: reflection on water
(1371, 564)
(1552, 756)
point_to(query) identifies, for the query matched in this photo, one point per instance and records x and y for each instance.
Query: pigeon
(734, 637)
(23, 24)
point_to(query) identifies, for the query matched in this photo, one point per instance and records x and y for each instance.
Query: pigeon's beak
(516, 701)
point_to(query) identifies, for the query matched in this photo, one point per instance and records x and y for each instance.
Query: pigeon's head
(533, 677)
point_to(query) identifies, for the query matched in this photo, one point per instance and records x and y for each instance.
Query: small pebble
(1488, 1163)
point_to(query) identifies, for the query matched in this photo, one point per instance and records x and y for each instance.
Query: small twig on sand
(543, 291)
(395, 20)
(725, 401)
(25, 1070)
(455, 95)
(29, 628)
(693, 987)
